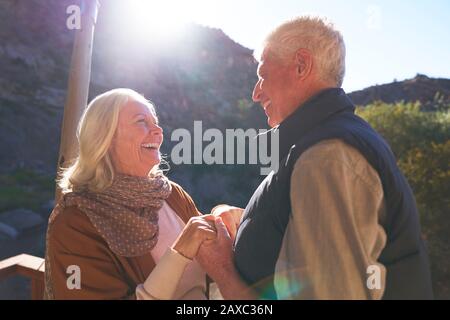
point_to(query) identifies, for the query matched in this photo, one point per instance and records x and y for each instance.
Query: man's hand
(231, 217)
(216, 256)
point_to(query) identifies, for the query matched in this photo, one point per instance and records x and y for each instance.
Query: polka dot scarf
(126, 213)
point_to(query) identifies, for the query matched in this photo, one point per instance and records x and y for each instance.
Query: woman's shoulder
(70, 217)
(177, 188)
(178, 192)
(71, 224)
(182, 202)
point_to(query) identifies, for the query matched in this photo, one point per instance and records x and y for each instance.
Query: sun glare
(155, 18)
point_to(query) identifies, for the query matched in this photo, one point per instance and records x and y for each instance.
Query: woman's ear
(304, 63)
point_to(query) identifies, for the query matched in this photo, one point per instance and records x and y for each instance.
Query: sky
(385, 40)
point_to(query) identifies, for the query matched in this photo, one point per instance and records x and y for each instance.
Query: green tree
(421, 142)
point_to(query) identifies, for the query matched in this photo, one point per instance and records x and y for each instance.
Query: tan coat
(73, 240)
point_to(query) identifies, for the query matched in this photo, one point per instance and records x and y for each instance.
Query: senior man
(338, 219)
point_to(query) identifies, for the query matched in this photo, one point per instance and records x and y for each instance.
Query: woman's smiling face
(136, 142)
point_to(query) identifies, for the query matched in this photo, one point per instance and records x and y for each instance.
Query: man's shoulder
(334, 157)
(331, 149)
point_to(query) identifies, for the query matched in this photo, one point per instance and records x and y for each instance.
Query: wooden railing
(28, 266)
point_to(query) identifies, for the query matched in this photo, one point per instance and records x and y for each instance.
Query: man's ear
(304, 63)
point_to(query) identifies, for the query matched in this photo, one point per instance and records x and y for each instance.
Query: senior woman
(122, 230)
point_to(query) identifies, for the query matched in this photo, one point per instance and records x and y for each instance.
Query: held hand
(231, 217)
(197, 230)
(217, 259)
(216, 256)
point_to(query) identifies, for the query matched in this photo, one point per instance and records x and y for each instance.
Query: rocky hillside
(420, 88)
(201, 74)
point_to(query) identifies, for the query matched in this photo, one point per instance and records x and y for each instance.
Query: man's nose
(256, 96)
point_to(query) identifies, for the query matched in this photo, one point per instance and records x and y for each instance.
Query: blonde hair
(316, 34)
(93, 169)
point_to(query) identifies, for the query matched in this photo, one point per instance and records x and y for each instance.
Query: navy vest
(330, 115)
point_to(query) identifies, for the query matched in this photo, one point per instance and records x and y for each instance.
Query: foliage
(24, 188)
(421, 142)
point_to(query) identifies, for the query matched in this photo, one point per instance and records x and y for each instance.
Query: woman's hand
(197, 230)
(231, 217)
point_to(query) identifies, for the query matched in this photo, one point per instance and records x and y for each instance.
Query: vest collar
(310, 114)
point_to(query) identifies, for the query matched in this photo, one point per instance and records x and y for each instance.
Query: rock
(421, 88)
(7, 232)
(15, 222)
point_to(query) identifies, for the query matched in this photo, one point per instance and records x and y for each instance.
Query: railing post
(37, 289)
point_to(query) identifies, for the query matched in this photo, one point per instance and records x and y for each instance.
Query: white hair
(318, 35)
(93, 168)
